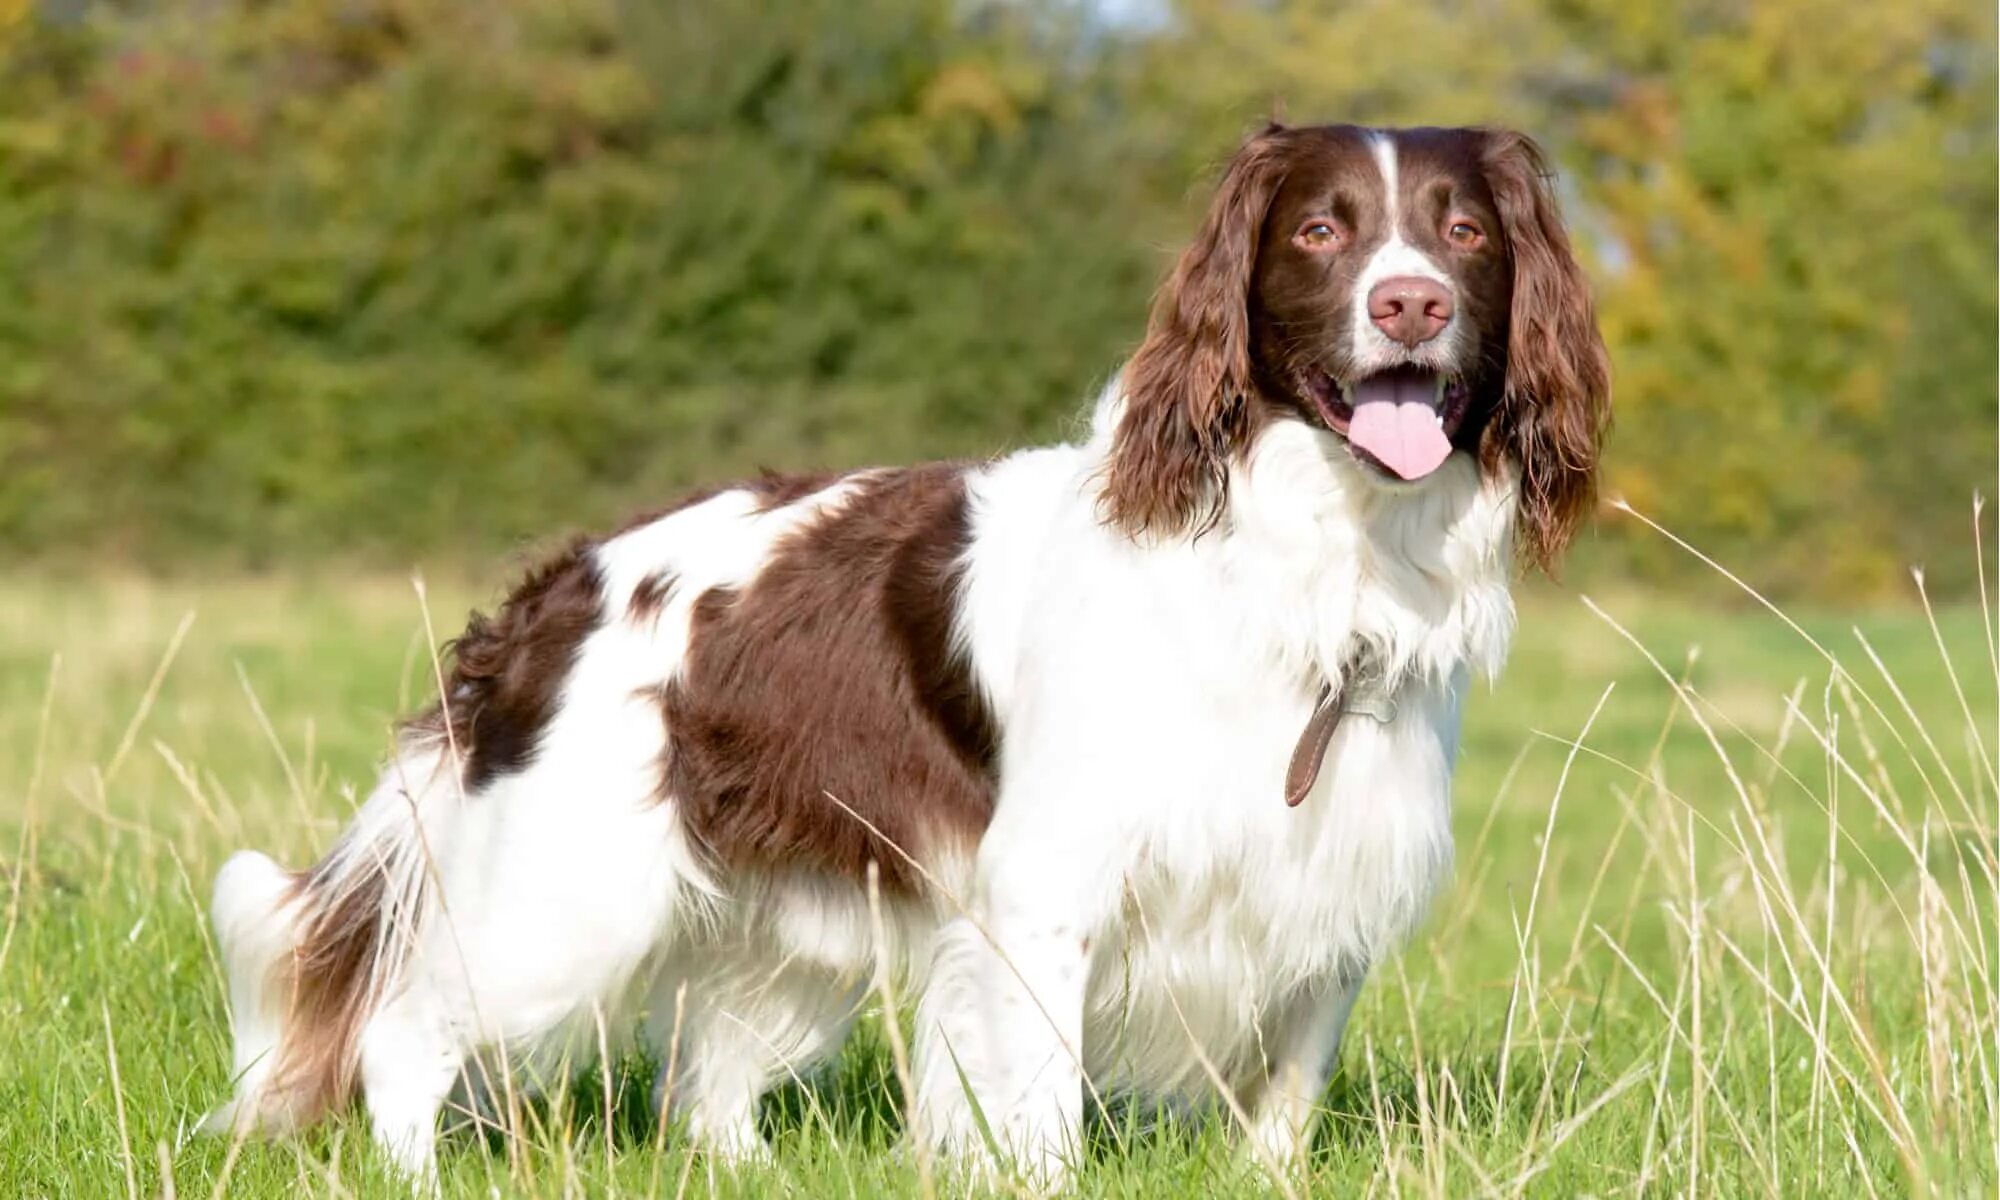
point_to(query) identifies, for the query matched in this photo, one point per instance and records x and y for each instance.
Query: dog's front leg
(1301, 1050)
(1001, 1029)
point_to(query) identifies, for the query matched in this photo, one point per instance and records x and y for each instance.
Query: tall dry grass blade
(1698, 930)
(1550, 1049)
(1916, 722)
(687, 1173)
(604, 1074)
(1909, 1148)
(1738, 1131)
(1428, 1124)
(1979, 563)
(1900, 1129)
(277, 745)
(892, 1023)
(1981, 985)
(779, 1056)
(1775, 1169)
(663, 1106)
(146, 700)
(218, 976)
(1717, 714)
(1957, 688)
(1627, 819)
(1708, 731)
(1775, 762)
(1697, 1063)
(444, 693)
(419, 642)
(24, 847)
(1840, 766)
(1651, 1153)
(1487, 1186)
(1822, 1073)
(1884, 793)
(118, 1102)
(1568, 1129)
(166, 1161)
(1890, 1118)
(1574, 958)
(1767, 915)
(329, 1171)
(1451, 927)
(191, 785)
(1744, 586)
(1524, 930)
(91, 801)
(1934, 963)
(1392, 1155)
(1764, 847)
(229, 1158)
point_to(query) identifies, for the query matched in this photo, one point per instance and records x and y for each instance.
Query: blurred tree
(368, 276)
(1790, 209)
(375, 277)
(1801, 197)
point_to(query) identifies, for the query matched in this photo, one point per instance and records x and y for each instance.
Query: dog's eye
(1465, 234)
(1318, 235)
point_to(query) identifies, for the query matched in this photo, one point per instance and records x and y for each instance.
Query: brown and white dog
(1050, 708)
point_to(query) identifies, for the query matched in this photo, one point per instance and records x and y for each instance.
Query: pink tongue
(1404, 437)
(1400, 430)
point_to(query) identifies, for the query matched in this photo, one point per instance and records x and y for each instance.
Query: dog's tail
(311, 955)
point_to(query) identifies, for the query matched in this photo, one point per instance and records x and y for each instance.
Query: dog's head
(1410, 291)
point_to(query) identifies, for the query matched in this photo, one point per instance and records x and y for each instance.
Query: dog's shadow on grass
(856, 1103)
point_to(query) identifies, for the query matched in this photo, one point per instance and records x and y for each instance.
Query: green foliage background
(375, 279)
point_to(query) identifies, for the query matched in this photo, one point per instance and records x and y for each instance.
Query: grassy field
(1723, 923)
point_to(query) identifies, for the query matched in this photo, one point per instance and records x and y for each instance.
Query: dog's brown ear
(1556, 408)
(1186, 387)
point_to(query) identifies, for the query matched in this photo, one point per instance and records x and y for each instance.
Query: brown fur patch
(504, 670)
(1189, 385)
(507, 668)
(1557, 408)
(325, 984)
(650, 595)
(833, 672)
(771, 489)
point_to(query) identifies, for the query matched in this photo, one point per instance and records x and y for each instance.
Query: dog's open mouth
(1399, 421)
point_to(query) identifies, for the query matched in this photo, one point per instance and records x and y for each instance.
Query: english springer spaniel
(1130, 757)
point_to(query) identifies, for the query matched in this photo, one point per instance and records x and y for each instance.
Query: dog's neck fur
(1413, 579)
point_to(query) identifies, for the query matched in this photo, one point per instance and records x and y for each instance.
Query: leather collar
(1363, 692)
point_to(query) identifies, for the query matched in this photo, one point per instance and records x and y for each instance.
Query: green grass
(1759, 965)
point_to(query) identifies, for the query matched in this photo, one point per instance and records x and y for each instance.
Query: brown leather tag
(1311, 750)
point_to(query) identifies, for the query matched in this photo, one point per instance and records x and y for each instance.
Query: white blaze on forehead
(1384, 147)
(1394, 258)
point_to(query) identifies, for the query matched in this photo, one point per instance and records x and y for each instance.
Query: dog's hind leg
(730, 1026)
(559, 884)
(410, 1058)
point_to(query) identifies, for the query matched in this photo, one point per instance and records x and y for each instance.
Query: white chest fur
(1151, 696)
(1258, 903)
